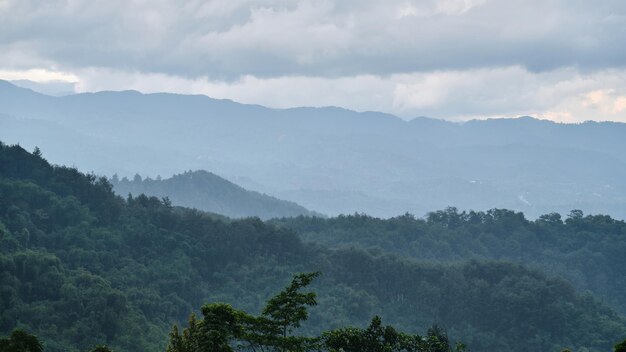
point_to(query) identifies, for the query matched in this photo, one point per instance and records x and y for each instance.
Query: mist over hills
(330, 160)
(208, 192)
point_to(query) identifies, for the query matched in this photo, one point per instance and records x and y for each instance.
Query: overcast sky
(456, 59)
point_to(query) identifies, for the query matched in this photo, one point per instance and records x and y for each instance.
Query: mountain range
(330, 160)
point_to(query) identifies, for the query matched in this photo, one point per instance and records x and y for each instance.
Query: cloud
(446, 7)
(228, 39)
(38, 75)
(457, 7)
(606, 101)
(566, 94)
(454, 59)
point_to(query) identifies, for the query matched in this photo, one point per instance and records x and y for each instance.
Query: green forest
(81, 267)
(589, 251)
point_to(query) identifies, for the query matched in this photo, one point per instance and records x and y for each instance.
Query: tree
(621, 347)
(176, 343)
(188, 340)
(221, 324)
(379, 338)
(288, 309)
(100, 348)
(20, 341)
(575, 214)
(376, 338)
(437, 341)
(552, 218)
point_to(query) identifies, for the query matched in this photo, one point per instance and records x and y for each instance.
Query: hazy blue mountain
(333, 160)
(206, 191)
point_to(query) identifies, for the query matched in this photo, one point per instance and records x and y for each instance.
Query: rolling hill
(208, 192)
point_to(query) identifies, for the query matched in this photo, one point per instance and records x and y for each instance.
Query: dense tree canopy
(621, 347)
(80, 267)
(588, 250)
(20, 341)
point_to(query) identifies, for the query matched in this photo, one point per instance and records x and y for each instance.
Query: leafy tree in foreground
(20, 341)
(224, 328)
(379, 338)
(188, 340)
(222, 323)
(100, 348)
(621, 347)
(288, 309)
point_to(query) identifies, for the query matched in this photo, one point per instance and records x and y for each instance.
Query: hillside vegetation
(586, 250)
(80, 266)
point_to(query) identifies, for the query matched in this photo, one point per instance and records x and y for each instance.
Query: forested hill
(589, 251)
(80, 266)
(208, 192)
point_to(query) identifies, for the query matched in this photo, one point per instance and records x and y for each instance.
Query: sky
(563, 60)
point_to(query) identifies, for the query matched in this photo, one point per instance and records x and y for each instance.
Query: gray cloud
(455, 59)
(230, 38)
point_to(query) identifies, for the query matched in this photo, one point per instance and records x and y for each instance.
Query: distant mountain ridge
(208, 192)
(330, 159)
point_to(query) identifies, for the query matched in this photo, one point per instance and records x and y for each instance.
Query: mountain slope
(372, 162)
(208, 192)
(81, 266)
